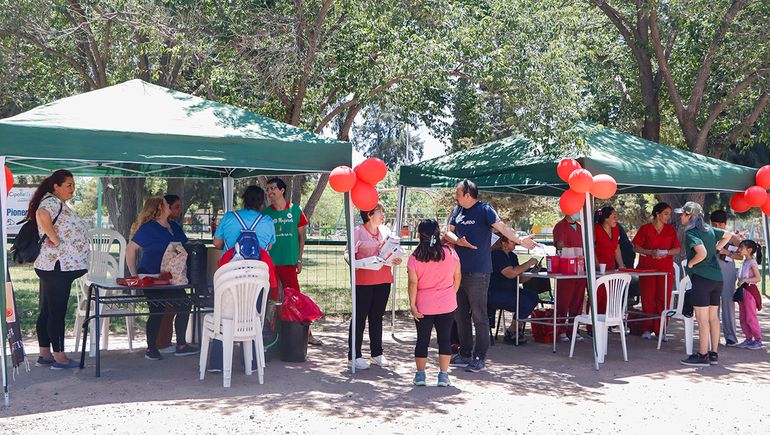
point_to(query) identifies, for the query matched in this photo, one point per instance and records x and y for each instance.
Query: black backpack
(26, 245)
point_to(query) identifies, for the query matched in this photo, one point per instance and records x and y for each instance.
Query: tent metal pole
(3, 299)
(99, 195)
(766, 263)
(351, 259)
(400, 212)
(228, 186)
(589, 257)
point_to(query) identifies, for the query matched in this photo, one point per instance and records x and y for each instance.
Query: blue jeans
(506, 299)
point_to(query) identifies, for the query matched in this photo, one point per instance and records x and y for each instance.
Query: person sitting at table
(152, 232)
(502, 286)
(607, 242)
(226, 236)
(567, 233)
(657, 245)
(166, 331)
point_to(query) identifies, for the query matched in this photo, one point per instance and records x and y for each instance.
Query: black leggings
(371, 301)
(55, 286)
(156, 308)
(443, 324)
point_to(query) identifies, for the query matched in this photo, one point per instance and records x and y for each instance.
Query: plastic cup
(602, 268)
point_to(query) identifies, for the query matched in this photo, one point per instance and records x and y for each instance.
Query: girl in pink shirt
(434, 277)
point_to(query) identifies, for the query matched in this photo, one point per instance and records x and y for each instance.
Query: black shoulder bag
(26, 246)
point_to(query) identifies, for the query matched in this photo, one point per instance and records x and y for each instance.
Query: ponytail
(755, 248)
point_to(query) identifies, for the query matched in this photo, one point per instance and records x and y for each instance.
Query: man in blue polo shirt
(470, 228)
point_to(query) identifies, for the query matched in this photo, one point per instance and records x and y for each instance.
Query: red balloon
(766, 206)
(755, 196)
(763, 177)
(371, 170)
(8, 180)
(738, 203)
(364, 196)
(571, 202)
(604, 186)
(566, 167)
(581, 181)
(342, 179)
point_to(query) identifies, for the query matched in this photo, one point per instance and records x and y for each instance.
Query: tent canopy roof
(140, 129)
(518, 165)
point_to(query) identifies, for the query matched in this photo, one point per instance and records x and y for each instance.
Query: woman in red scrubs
(607, 242)
(657, 244)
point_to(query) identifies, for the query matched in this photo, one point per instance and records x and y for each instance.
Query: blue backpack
(247, 243)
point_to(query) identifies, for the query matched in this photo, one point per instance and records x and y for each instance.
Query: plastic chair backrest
(101, 262)
(239, 265)
(244, 293)
(616, 286)
(254, 270)
(684, 285)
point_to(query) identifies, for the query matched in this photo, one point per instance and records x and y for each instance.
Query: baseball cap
(691, 208)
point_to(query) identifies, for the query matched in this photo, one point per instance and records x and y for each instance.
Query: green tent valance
(518, 165)
(139, 129)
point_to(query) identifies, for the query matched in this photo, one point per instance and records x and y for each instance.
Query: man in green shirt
(290, 224)
(702, 242)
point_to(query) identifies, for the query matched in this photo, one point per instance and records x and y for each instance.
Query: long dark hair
(603, 213)
(46, 186)
(429, 248)
(659, 208)
(755, 248)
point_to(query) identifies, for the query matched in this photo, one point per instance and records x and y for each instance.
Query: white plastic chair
(676, 313)
(616, 285)
(102, 266)
(236, 316)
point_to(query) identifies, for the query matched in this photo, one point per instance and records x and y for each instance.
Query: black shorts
(705, 292)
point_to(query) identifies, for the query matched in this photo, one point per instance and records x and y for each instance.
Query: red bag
(542, 333)
(297, 307)
(147, 281)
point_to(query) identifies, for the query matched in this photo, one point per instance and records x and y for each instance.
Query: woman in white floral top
(63, 258)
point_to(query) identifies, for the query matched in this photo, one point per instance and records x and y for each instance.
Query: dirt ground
(526, 389)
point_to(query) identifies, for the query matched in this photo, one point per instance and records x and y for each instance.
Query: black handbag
(26, 245)
(687, 307)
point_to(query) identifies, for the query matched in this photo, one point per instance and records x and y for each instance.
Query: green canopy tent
(137, 129)
(519, 165)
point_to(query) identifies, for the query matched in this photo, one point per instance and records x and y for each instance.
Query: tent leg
(400, 212)
(766, 228)
(351, 259)
(3, 290)
(228, 187)
(99, 196)
(589, 254)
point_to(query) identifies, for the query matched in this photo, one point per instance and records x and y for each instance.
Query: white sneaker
(361, 364)
(563, 337)
(380, 360)
(646, 335)
(170, 349)
(579, 338)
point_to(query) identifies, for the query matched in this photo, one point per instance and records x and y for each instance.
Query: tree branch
(618, 20)
(719, 107)
(708, 62)
(750, 119)
(665, 71)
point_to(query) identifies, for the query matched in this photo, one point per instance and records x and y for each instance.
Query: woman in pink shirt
(372, 288)
(434, 277)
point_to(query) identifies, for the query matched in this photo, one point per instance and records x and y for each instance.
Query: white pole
(766, 227)
(589, 254)
(3, 299)
(399, 223)
(352, 259)
(228, 186)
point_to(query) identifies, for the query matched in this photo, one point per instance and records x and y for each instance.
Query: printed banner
(16, 208)
(12, 322)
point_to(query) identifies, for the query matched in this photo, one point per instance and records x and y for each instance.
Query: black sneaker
(153, 354)
(476, 365)
(459, 361)
(730, 343)
(185, 350)
(509, 338)
(713, 358)
(43, 362)
(696, 360)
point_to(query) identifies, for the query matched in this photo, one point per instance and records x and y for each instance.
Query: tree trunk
(124, 198)
(296, 189)
(650, 99)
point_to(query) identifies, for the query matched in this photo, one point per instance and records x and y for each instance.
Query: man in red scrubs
(567, 233)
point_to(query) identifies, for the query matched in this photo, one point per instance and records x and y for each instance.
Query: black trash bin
(293, 341)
